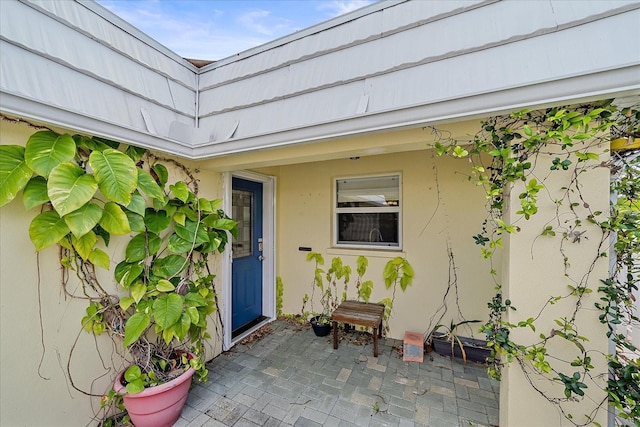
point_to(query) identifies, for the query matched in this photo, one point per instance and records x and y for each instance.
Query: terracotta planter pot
(158, 406)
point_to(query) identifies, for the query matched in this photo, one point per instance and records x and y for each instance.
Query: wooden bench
(359, 313)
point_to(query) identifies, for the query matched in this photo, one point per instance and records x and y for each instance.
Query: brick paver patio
(292, 377)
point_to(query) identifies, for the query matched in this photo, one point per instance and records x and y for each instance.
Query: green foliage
(279, 295)
(502, 154)
(333, 284)
(164, 264)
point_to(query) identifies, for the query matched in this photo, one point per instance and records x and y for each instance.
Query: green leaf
(137, 291)
(192, 232)
(136, 222)
(167, 310)
(182, 327)
(137, 204)
(149, 186)
(193, 299)
(84, 244)
(460, 152)
(14, 172)
(178, 245)
(180, 190)
(156, 221)
(169, 266)
(126, 273)
(114, 220)
(140, 244)
(115, 173)
(81, 221)
(179, 217)
(134, 328)
(218, 223)
(125, 303)
(46, 149)
(194, 314)
(135, 153)
(165, 286)
(47, 229)
(69, 187)
(35, 193)
(161, 172)
(99, 258)
(132, 373)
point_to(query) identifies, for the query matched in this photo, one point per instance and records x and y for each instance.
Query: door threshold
(245, 331)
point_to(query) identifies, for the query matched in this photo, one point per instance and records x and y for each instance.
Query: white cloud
(340, 7)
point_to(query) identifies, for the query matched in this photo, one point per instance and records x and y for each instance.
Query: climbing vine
(508, 155)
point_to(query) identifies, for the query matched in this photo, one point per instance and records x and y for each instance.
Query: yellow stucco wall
(440, 209)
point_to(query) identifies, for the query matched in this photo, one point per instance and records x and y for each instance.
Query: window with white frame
(367, 211)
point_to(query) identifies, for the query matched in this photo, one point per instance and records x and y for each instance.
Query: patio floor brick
(289, 377)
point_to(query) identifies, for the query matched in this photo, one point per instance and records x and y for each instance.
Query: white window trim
(335, 210)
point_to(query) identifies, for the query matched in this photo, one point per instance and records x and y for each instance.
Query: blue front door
(246, 272)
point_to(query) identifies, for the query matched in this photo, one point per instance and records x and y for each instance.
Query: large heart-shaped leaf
(192, 232)
(47, 229)
(81, 221)
(156, 221)
(141, 246)
(35, 193)
(46, 149)
(14, 172)
(169, 266)
(137, 291)
(116, 174)
(167, 310)
(85, 244)
(148, 185)
(134, 328)
(114, 220)
(69, 187)
(180, 190)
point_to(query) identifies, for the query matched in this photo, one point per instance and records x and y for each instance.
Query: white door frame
(269, 250)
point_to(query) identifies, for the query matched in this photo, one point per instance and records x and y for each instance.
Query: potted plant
(625, 133)
(447, 341)
(329, 294)
(90, 190)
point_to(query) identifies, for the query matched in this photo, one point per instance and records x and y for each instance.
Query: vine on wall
(506, 155)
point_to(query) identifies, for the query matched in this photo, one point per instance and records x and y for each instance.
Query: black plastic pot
(476, 350)
(319, 328)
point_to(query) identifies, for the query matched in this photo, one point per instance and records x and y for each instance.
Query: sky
(216, 29)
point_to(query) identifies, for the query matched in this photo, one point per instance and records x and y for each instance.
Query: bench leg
(375, 342)
(335, 335)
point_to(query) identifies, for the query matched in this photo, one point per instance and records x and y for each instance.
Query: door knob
(261, 258)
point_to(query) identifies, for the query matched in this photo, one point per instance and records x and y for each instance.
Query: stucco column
(534, 271)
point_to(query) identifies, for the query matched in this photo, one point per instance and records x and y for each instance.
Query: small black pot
(320, 329)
